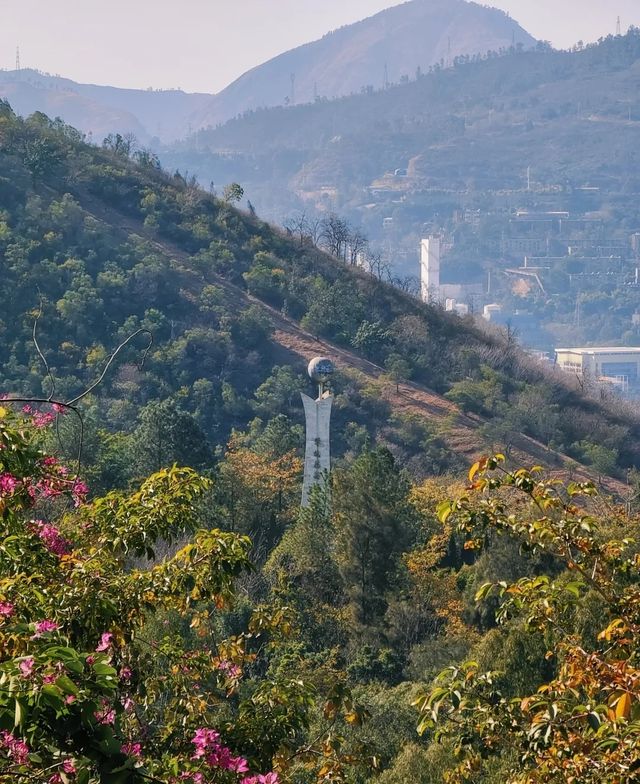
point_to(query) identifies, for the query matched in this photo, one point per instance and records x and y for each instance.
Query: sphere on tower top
(321, 369)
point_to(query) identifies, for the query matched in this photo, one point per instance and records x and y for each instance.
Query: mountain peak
(388, 47)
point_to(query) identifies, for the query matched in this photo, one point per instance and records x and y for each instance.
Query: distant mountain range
(571, 118)
(386, 48)
(100, 110)
(390, 47)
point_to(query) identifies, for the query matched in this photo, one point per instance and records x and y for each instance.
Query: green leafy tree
(374, 524)
(398, 368)
(167, 435)
(232, 193)
(371, 338)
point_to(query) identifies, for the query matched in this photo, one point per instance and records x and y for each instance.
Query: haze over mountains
(474, 127)
(100, 110)
(387, 47)
(369, 54)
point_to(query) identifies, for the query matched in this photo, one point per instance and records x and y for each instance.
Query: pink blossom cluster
(47, 487)
(26, 666)
(6, 609)
(17, 750)
(51, 538)
(267, 778)
(68, 767)
(41, 419)
(44, 627)
(132, 749)
(79, 492)
(230, 669)
(8, 483)
(106, 714)
(54, 482)
(106, 640)
(209, 748)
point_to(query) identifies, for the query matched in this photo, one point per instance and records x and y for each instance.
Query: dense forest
(170, 614)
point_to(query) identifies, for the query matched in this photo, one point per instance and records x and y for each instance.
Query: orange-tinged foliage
(259, 487)
(583, 724)
(432, 582)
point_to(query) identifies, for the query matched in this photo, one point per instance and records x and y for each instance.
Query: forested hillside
(205, 629)
(105, 247)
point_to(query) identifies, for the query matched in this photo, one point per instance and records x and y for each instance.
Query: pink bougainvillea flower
(208, 746)
(79, 492)
(69, 699)
(105, 642)
(40, 419)
(229, 668)
(132, 749)
(58, 408)
(27, 409)
(268, 778)
(51, 538)
(6, 609)
(69, 767)
(204, 739)
(125, 674)
(106, 714)
(17, 749)
(44, 627)
(26, 667)
(48, 489)
(8, 483)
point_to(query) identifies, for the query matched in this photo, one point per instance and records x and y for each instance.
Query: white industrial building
(455, 295)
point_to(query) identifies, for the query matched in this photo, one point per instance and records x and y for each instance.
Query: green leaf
(67, 685)
(19, 714)
(444, 510)
(483, 592)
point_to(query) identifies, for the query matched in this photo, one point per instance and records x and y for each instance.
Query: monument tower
(317, 458)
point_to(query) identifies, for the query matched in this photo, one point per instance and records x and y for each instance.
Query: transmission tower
(17, 58)
(619, 27)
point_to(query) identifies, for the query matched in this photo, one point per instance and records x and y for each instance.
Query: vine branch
(71, 405)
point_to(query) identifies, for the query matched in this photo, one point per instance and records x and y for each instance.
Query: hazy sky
(205, 44)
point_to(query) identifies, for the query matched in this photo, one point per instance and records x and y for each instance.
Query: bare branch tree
(334, 236)
(357, 244)
(305, 228)
(378, 266)
(410, 284)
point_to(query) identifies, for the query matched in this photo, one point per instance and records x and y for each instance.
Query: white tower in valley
(430, 269)
(317, 459)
